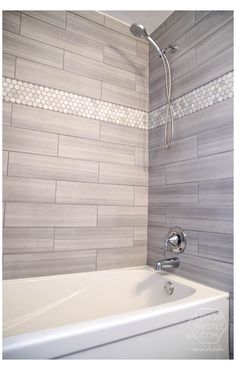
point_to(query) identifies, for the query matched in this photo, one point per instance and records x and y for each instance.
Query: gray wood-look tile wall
(74, 189)
(191, 184)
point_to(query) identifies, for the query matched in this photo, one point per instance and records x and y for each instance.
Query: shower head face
(138, 30)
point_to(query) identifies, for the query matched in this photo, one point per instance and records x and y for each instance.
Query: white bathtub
(116, 314)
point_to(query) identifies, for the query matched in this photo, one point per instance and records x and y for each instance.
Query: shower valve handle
(176, 240)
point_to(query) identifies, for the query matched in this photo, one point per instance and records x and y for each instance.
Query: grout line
(11, 113)
(198, 198)
(198, 145)
(15, 62)
(105, 205)
(7, 162)
(98, 180)
(198, 244)
(63, 60)
(4, 214)
(133, 235)
(19, 33)
(46, 179)
(53, 240)
(58, 144)
(55, 200)
(101, 91)
(96, 262)
(65, 28)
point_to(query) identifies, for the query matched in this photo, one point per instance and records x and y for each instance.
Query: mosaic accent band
(209, 94)
(16, 91)
(20, 92)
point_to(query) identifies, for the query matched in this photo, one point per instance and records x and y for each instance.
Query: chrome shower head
(138, 30)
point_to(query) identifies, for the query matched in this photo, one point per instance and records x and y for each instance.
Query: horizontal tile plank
(56, 78)
(61, 38)
(141, 157)
(122, 174)
(212, 219)
(156, 215)
(49, 215)
(142, 84)
(27, 240)
(6, 113)
(18, 189)
(27, 48)
(200, 14)
(91, 15)
(180, 150)
(157, 236)
(215, 43)
(93, 238)
(123, 135)
(4, 162)
(216, 192)
(140, 236)
(95, 150)
(216, 274)
(122, 216)
(217, 166)
(17, 139)
(216, 246)
(126, 61)
(116, 258)
(157, 175)
(143, 49)
(119, 95)
(215, 141)
(141, 196)
(58, 123)
(98, 70)
(37, 166)
(39, 264)
(88, 193)
(174, 17)
(8, 65)
(174, 194)
(55, 17)
(96, 32)
(11, 21)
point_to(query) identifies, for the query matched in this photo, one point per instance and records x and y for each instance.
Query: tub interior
(42, 303)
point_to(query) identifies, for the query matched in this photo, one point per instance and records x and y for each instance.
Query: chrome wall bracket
(171, 47)
(176, 240)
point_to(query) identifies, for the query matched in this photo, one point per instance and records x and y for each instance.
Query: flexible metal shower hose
(169, 124)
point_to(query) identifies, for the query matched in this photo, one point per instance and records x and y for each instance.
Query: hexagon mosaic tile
(43, 97)
(26, 93)
(209, 94)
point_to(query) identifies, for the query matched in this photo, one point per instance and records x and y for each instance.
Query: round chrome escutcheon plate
(169, 287)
